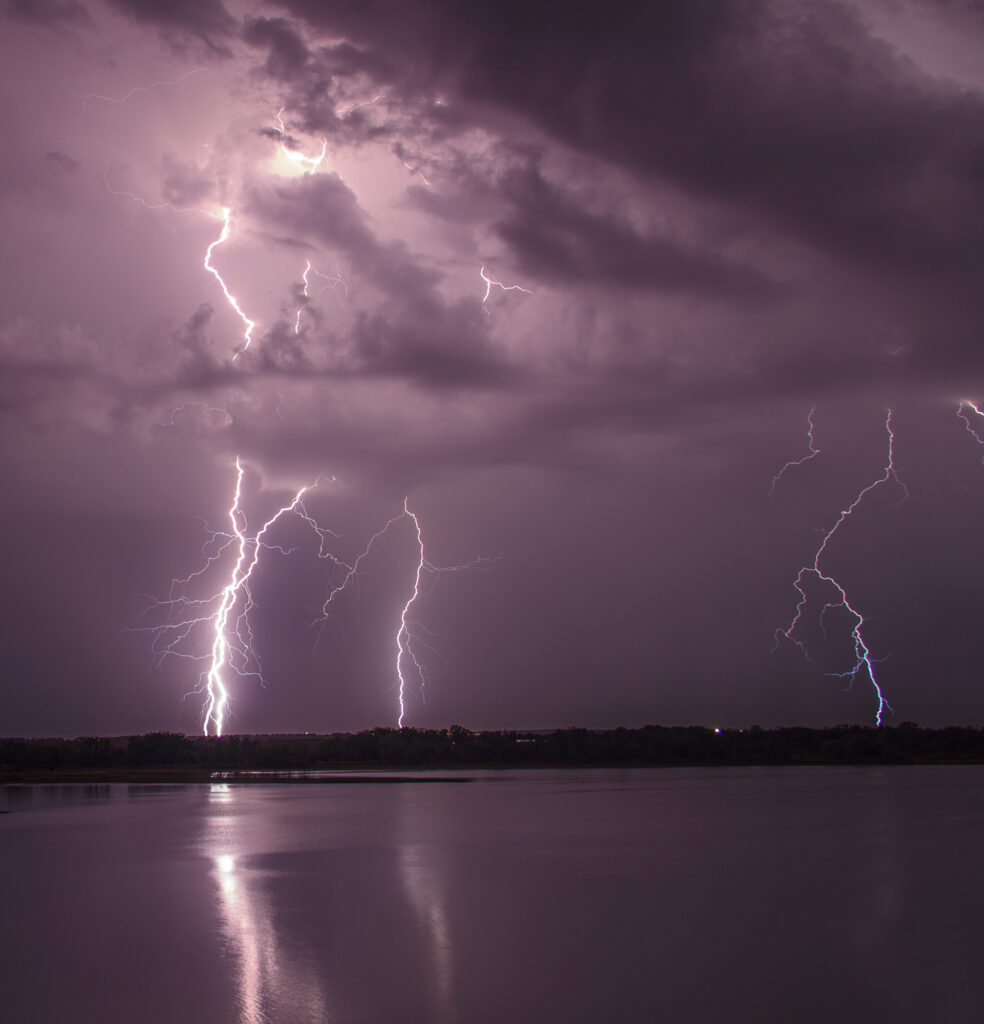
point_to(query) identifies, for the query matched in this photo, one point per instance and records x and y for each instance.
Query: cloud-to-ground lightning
(813, 453)
(223, 614)
(490, 281)
(407, 636)
(864, 662)
(207, 264)
(403, 635)
(215, 629)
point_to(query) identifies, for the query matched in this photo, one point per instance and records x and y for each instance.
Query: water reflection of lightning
(863, 663)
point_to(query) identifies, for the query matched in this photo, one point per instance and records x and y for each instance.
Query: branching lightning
(962, 414)
(864, 663)
(490, 281)
(813, 453)
(335, 283)
(224, 615)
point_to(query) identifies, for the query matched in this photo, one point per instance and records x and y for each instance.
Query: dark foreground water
(597, 896)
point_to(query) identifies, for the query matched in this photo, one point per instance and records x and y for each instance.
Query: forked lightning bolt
(813, 453)
(408, 631)
(490, 281)
(962, 413)
(335, 283)
(222, 615)
(864, 663)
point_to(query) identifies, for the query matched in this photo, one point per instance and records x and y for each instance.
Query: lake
(673, 895)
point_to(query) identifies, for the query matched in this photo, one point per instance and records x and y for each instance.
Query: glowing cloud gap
(308, 164)
(230, 298)
(864, 663)
(814, 452)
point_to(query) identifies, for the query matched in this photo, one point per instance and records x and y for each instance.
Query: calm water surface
(683, 895)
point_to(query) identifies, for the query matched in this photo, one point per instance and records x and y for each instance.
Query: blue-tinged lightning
(813, 453)
(962, 412)
(864, 663)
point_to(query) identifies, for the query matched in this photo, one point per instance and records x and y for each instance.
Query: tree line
(460, 747)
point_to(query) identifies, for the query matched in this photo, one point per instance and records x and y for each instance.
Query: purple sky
(722, 214)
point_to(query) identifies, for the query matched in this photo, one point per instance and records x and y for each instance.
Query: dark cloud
(48, 12)
(287, 54)
(556, 239)
(797, 115)
(62, 162)
(205, 20)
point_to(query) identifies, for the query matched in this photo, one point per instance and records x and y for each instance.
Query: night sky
(721, 215)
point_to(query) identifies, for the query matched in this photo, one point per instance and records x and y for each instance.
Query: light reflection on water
(249, 926)
(630, 896)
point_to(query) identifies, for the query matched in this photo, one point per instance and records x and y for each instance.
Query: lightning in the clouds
(864, 663)
(813, 453)
(336, 283)
(306, 164)
(491, 281)
(207, 263)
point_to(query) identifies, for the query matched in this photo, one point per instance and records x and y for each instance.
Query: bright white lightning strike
(403, 645)
(490, 281)
(864, 663)
(217, 693)
(207, 263)
(224, 614)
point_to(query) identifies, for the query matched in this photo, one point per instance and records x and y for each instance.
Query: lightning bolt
(308, 164)
(224, 615)
(404, 647)
(814, 452)
(962, 414)
(140, 88)
(863, 663)
(230, 298)
(490, 281)
(335, 283)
